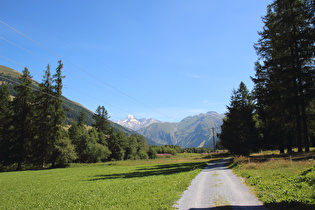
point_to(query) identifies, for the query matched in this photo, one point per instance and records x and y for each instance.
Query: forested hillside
(33, 132)
(11, 77)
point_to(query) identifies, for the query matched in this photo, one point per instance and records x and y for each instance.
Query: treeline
(33, 133)
(172, 149)
(280, 111)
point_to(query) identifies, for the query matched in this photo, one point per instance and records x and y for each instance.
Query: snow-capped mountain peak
(132, 123)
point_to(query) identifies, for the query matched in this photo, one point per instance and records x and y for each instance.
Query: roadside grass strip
(280, 183)
(113, 185)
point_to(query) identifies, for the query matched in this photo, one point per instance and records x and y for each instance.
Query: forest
(33, 133)
(279, 113)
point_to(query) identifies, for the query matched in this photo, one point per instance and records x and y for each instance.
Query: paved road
(216, 187)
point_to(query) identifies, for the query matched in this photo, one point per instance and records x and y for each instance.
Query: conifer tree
(60, 140)
(5, 124)
(286, 50)
(239, 134)
(23, 107)
(44, 120)
(59, 114)
(102, 120)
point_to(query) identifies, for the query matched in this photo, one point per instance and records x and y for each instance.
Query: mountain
(134, 124)
(11, 77)
(192, 131)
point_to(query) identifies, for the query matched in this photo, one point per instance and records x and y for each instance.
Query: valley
(192, 131)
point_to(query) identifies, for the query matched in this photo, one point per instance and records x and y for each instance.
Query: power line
(23, 49)
(77, 48)
(45, 60)
(37, 90)
(213, 134)
(68, 87)
(69, 72)
(97, 78)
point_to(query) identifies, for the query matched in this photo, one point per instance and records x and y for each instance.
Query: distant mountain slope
(161, 133)
(11, 77)
(193, 131)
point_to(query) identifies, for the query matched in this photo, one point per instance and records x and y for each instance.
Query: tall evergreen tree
(102, 120)
(44, 120)
(286, 50)
(60, 140)
(59, 114)
(5, 123)
(239, 134)
(23, 107)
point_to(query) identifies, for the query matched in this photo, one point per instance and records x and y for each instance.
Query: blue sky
(162, 59)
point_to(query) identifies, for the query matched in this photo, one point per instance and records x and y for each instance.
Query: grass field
(147, 184)
(280, 181)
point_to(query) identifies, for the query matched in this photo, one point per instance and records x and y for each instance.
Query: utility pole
(213, 140)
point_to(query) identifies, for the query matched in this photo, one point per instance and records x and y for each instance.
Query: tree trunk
(298, 119)
(300, 89)
(43, 166)
(19, 167)
(304, 120)
(281, 150)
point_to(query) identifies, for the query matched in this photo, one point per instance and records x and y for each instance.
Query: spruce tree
(239, 134)
(44, 120)
(23, 121)
(60, 140)
(286, 50)
(5, 124)
(102, 120)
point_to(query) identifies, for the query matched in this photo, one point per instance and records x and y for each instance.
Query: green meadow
(280, 181)
(145, 184)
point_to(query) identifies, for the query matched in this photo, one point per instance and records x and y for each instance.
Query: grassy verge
(280, 181)
(151, 184)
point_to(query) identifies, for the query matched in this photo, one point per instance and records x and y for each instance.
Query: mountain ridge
(135, 124)
(195, 131)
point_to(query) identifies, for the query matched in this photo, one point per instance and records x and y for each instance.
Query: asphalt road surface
(216, 187)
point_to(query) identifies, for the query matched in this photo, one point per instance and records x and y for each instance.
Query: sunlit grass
(280, 181)
(143, 184)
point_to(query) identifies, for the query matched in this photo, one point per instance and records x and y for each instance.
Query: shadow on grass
(232, 207)
(294, 156)
(216, 155)
(290, 205)
(165, 169)
(270, 206)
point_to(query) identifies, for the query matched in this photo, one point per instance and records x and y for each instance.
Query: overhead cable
(97, 78)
